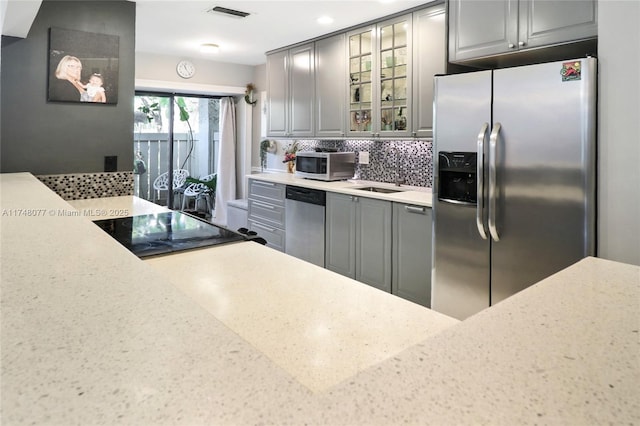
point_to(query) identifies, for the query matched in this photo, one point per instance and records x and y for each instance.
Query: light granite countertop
(415, 195)
(113, 207)
(242, 334)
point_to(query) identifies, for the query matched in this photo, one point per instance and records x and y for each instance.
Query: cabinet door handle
(257, 225)
(521, 43)
(511, 45)
(257, 182)
(266, 206)
(415, 209)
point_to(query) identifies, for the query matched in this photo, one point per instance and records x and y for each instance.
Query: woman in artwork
(66, 86)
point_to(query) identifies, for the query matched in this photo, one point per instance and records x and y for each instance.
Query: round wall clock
(186, 69)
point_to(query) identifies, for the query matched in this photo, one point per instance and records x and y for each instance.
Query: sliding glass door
(175, 137)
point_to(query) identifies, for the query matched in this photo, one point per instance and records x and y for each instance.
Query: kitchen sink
(380, 190)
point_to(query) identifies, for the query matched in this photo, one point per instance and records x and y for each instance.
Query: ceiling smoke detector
(228, 12)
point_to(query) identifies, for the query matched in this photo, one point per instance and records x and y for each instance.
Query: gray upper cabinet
(428, 60)
(361, 77)
(290, 92)
(373, 81)
(302, 75)
(544, 22)
(412, 253)
(485, 28)
(277, 92)
(395, 77)
(380, 79)
(330, 86)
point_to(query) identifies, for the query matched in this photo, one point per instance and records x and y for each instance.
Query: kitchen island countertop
(113, 207)
(93, 335)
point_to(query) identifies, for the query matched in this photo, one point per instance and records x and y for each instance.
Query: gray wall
(260, 81)
(52, 137)
(619, 131)
(153, 66)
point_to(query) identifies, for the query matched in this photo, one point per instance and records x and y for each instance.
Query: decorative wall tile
(76, 186)
(408, 160)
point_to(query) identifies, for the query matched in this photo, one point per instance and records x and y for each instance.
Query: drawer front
(266, 212)
(275, 237)
(267, 191)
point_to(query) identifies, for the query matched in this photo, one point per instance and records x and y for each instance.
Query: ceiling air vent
(228, 12)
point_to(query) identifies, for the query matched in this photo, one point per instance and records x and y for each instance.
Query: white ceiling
(178, 27)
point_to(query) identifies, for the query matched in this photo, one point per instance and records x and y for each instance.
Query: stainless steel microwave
(325, 165)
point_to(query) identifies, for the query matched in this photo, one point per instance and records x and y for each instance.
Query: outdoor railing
(154, 148)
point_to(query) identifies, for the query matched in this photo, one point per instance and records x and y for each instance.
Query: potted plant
(290, 156)
(248, 94)
(264, 146)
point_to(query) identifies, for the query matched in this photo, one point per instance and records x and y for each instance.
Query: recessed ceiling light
(209, 48)
(325, 20)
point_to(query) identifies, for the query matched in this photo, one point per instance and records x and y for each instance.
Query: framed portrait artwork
(83, 67)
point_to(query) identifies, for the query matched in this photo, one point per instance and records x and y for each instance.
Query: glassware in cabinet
(360, 80)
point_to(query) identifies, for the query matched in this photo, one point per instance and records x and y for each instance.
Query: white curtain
(226, 185)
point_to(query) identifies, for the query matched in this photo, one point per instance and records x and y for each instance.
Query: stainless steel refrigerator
(514, 180)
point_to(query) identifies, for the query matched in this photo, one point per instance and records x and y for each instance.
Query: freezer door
(545, 171)
(460, 278)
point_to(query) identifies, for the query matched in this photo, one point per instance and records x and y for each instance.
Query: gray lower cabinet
(340, 234)
(266, 212)
(485, 28)
(358, 239)
(412, 253)
(373, 242)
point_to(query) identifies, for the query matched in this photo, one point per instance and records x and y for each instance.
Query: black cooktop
(163, 233)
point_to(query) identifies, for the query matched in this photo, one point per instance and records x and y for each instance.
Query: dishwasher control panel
(306, 195)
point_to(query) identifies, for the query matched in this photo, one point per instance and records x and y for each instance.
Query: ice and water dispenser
(457, 177)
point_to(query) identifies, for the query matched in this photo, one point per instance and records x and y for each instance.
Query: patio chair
(199, 190)
(161, 183)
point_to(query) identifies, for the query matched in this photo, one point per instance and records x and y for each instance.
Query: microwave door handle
(493, 142)
(480, 182)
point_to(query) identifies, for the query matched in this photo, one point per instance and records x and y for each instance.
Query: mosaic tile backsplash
(77, 186)
(410, 161)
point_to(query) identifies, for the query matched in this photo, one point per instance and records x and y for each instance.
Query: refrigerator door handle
(493, 142)
(480, 182)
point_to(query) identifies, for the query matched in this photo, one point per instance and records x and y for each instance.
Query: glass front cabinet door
(361, 69)
(395, 77)
(380, 79)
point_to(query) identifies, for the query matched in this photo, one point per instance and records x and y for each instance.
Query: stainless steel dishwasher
(304, 236)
